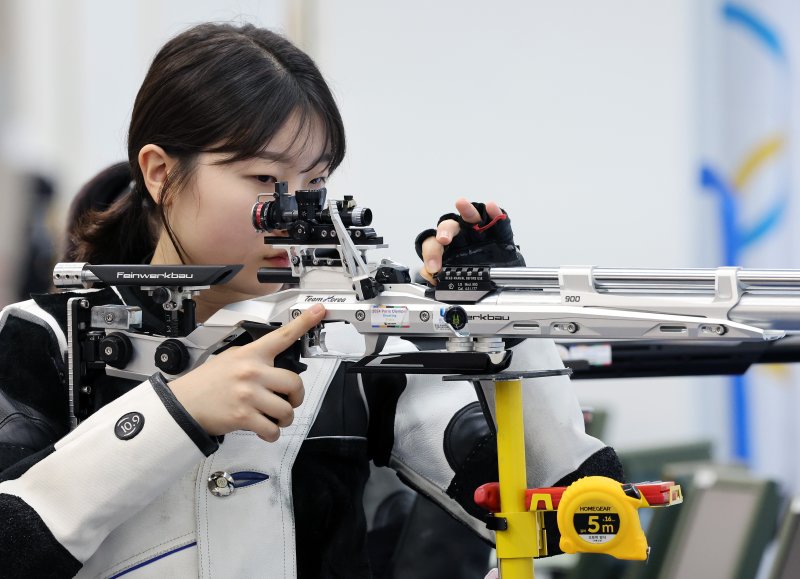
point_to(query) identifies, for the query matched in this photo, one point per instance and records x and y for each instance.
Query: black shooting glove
(488, 242)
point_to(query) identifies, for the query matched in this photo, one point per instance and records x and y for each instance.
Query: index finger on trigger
(276, 342)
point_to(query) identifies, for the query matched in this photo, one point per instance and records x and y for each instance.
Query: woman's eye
(318, 181)
(266, 179)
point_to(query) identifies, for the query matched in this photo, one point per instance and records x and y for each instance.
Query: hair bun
(98, 194)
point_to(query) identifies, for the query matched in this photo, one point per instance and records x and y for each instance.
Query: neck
(165, 252)
(210, 301)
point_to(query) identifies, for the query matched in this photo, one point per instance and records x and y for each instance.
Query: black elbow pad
(470, 447)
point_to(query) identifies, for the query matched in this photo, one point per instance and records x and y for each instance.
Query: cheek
(230, 241)
(219, 231)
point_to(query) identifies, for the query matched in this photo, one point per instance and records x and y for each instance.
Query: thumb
(276, 342)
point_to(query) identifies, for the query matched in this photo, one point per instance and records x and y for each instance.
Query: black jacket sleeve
(41, 508)
(33, 397)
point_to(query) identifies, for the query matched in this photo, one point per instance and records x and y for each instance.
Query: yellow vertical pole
(513, 479)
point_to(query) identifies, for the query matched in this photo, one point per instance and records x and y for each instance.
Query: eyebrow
(324, 158)
(284, 158)
(272, 156)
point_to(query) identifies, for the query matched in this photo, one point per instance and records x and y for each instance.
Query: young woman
(223, 114)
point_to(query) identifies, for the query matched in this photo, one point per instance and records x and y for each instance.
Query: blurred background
(617, 133)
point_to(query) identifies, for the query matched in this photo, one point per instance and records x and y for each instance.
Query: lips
(281, 260)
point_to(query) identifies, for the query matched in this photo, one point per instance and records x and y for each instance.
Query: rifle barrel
(649, 280)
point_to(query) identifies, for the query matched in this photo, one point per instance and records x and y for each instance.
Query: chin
(261, 289)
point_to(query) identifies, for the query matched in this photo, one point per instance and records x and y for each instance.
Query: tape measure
(599, 515)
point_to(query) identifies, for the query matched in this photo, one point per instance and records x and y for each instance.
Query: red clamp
(657, 494)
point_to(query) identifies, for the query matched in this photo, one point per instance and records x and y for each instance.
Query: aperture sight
(307, 218)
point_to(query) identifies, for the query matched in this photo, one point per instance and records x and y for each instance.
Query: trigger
(313, 343)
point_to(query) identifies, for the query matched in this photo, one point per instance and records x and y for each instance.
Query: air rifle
(476, 311)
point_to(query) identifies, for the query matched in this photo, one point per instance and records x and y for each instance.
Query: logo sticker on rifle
(439, 325)
(389, 317)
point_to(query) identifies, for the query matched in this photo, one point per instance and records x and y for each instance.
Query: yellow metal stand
(595, 514)
(517, 545)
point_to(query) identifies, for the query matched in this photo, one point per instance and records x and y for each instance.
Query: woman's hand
(433, 247)
(240, 389)
(495, 239)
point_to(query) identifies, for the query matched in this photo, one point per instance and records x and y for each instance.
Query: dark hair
(215, 88)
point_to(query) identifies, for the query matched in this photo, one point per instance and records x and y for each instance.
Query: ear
(155, 164)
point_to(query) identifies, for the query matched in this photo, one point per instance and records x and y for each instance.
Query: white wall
(10, 226)
(577, 116)
(78, 66)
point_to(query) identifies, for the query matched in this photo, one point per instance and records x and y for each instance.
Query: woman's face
(212, 218)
